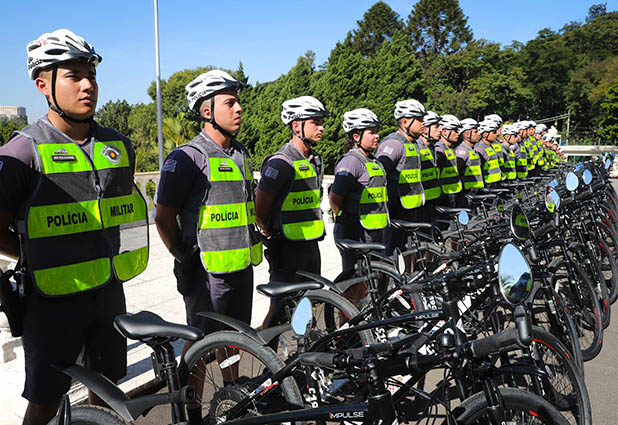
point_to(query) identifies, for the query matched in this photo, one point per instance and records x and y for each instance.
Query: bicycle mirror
(302, 317)
(571, 181)
(587, 177)
(463, 218)
(552, 199)
(514, 275)
(519, 223)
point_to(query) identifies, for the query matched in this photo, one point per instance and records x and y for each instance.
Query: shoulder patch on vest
(112, 153)
(388, 150)
(169, 165)
(271, 172)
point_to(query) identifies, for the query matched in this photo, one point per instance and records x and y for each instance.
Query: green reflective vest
(429, 172)
(508, 168)
(368, 206)
(404, 180)
(530, 151)
(490, 167)
(301, 216)
(521, 162)
(226, 231)
(447, 163)
(473, 177)
(85, 224)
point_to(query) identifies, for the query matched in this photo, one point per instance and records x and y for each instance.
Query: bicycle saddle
(402, 224)
(451, 211)
(147, 324)
(351, 245)
(277, 289)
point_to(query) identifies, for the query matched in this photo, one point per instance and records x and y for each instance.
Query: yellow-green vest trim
(369, 207)
(86, 223)
(508, 167)
(226, 233)
(430, 178)
(491, 167)
(473, 177)
(521, 162)
(301, 216)
(449, 175)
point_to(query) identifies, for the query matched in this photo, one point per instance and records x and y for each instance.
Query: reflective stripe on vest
(224, 228)
(491, 168)
(521, 163)
(473, 177)
(86, 203)
(301, 216)
(509, 164)
(371, 207)
(429, 174)
(530, 154)
(449, 176)
(411, 193)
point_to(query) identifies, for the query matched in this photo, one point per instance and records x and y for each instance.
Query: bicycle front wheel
(520, 407)
(92, 415)
(227, 368)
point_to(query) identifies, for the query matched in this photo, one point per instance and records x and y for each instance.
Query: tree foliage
(438, 27)
(431, 57)
(8, 126)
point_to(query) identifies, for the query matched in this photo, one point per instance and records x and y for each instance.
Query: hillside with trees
(430, 55)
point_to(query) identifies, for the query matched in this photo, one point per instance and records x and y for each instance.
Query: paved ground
(155, 291)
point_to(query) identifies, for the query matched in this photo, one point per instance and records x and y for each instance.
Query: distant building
(13, 112)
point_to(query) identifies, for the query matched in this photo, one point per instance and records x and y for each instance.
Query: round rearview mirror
(571, 181)
(519, 223)
(587, 177)
(514, 275)
(552, 199)
(436, 234)
(553, 183)
(463, 218)
(608, 163)
(399, 261)
(579, 166)
(302, 317)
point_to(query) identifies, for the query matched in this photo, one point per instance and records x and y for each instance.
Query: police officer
(399, 155)
(446, 161)
(511, 137)
(525, 130)
(429, 172)
(468, 161)
(67, 190)
(508, 167)
(497, 144)
(490, 165)
(358, 195)
(288, 198)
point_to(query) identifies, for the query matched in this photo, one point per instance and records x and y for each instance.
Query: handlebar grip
(414, 288)
(496, 343)
(544, 229)
(318, 359)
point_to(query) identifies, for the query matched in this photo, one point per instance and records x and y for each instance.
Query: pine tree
(379, 24)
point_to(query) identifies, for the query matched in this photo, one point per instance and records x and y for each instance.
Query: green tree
(609, 120)
(379, 24)
(596, 11)
(438, 27)
(115, 115)
(8, 126)
(143, 128)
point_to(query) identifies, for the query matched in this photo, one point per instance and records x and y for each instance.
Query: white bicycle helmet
(540, 128)
(56, 47)
(531, 124)
(360, 119)
(302, 108)
(511, 129)
(488, 126)
(450, 122)
(410, 108)
(208, 84)
(468, 124)
(431, 118)
(493, 117)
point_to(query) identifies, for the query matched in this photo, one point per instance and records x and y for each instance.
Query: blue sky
(267, 36)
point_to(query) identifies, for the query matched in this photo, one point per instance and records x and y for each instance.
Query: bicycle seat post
(167, 367)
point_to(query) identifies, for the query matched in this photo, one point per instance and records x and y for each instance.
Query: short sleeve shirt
(350, 176)
(391, 148)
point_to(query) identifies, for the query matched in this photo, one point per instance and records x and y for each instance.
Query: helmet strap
(359, 144)
(56, 107)
(212, 121)
(406, 130)
(301, 136)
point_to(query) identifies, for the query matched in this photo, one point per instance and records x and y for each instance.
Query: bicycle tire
(93, 415)
(583, 305)
(517, 403)
(217, 399)
(564, 386)
(609, 263)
